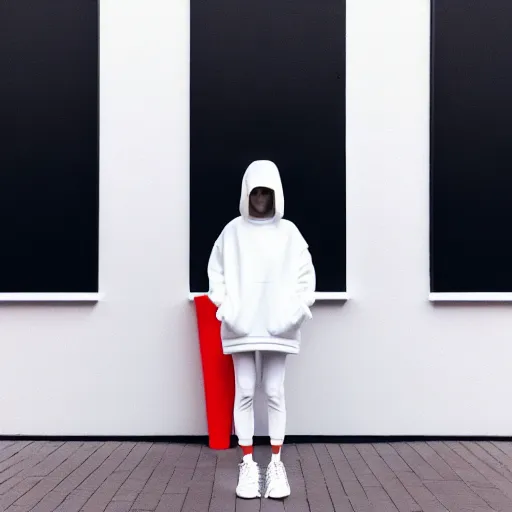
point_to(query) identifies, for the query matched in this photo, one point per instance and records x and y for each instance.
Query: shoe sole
(278, 497)
(248, 497)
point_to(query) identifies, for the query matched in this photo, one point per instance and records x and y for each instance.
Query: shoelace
(249, 473)
(275, 473)
(276, 470)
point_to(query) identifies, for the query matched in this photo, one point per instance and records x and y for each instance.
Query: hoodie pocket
(287, 317)
(229, 315)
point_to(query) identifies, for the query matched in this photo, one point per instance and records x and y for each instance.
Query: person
(262, 279)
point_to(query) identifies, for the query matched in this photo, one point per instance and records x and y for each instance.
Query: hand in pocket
(289, 315)
(228, 315)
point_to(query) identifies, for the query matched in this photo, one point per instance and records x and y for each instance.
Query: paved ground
(46, 476)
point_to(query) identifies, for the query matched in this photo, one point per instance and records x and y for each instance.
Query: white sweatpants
(273, 372)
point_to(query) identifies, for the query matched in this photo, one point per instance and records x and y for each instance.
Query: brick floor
(45, 476)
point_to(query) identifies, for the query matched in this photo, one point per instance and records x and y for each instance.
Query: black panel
(49, 170)
(268, 82)
(471, 152)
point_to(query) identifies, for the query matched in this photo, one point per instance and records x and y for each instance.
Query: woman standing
(262, 279)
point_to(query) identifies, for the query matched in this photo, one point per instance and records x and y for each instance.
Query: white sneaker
(248, 480)
(276, 481)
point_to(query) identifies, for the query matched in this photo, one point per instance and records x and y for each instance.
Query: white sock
(276, 457)
(248, 458)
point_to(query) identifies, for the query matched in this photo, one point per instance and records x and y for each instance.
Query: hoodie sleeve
(306, 281)
(217, 286)
(306, 276)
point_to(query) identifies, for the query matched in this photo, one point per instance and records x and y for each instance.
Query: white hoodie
(261, 274)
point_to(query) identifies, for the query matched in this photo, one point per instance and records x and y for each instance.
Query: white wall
(387, 362)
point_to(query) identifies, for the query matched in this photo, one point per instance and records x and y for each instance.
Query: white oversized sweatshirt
(261, 274)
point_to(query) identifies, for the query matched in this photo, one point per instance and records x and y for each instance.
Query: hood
(262, 173)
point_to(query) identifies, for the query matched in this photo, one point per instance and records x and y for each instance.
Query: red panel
(218, 375)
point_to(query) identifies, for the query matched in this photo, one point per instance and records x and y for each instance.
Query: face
(261, 202)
